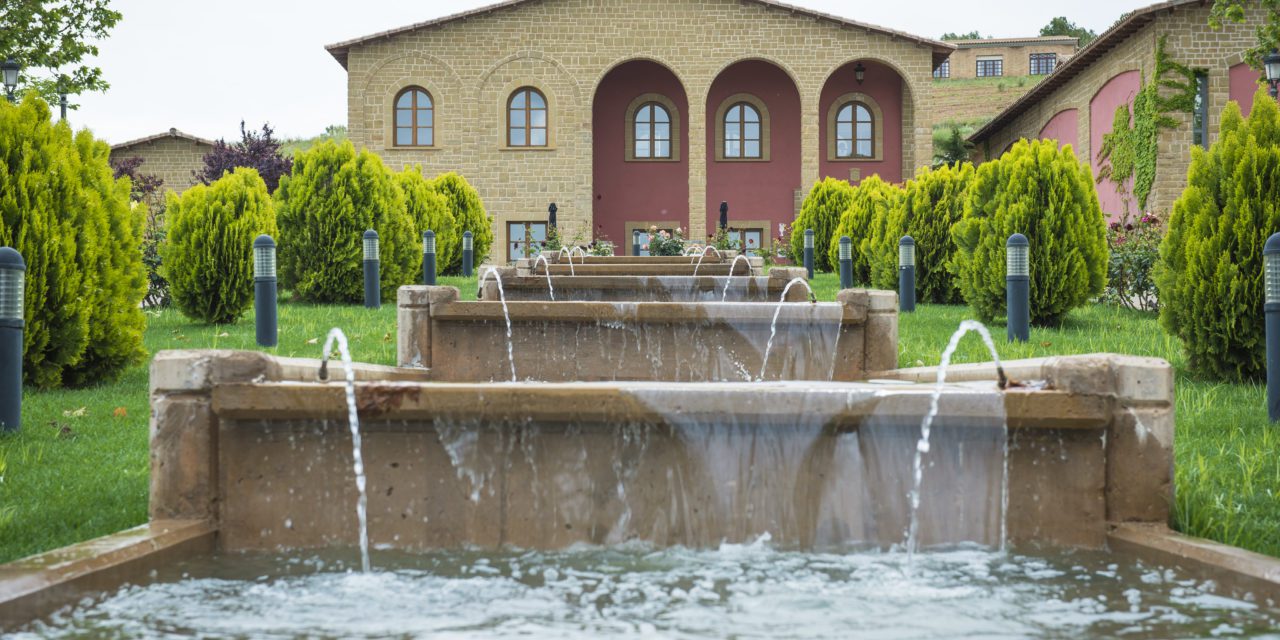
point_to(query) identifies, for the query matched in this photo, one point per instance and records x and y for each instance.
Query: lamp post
(1017, 277)
(429, 258)
(907, 274)
(264, 290)
(808, 252)
(635, 242)
(12, 282)
(846, 262)
(1271, 64)
(1271, 308)
(724, 216)
(468, 253)
(372, 294)
(10, 68)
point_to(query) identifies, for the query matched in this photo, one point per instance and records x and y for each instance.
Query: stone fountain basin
(701, 288)
(251, 451)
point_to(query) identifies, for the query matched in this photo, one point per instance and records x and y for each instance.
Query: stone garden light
(1018, 288)
(1271, 308)
(12, 282)
(10, 69)
(808, 252)
(429, 257)
(846, 262)
(372, 286)
(907, 274)
(1272, 65)
(468, 253)
(264, 290)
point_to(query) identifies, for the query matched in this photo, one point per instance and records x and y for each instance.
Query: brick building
(1077, 102)
(631, 113)
(171, 156)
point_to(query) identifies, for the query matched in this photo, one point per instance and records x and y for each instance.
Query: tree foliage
(864, 221)
(951, 147)
(1211, 279)
(208, 259)
(1061, 26)
(146, 194)
(931, 204)
(1046, 194)
(333, 195)
(468, 214)
(972, 35)
(1268, 32)
(258, 151)
(820, 211)
(430, 211)
(51, 38)
(63, 210)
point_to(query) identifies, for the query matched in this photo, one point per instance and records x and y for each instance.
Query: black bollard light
(264, 290)
(1271, 308)
(724, 216)
(429, 258)
(635, 242)
(1017, 277)
(468, 254)
(846, 262)
(372, 293)
(907, 274)
(13, 271)
(808, 252)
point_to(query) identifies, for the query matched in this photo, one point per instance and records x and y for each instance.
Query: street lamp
(10, 68)
(1271, 63)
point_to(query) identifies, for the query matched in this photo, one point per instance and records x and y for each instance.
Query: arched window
(415, 118)
(855, 131)
(742, 131)
(653, 131)
(527, 118)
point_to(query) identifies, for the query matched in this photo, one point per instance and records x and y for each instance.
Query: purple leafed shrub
(254, 150)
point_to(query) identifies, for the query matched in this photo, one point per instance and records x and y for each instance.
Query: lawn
(79, 467)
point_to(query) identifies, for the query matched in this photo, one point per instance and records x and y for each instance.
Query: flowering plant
(665, 243)
(1135, 250)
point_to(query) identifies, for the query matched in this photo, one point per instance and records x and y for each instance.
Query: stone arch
(890, 90)
(385, 80)
(1120, 89)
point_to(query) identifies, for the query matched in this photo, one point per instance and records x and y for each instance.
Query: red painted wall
(884, 85)
(1244, 82)
(1119, 90)
(648, 191)
(1063, 127)
(756, 190)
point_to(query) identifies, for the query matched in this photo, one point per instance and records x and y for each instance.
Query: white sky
(202, 66)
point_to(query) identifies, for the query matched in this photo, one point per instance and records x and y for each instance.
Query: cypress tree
(430, 211)
(930, 205)
(820, 211)
(464, 204)
(1044, 193)
(209, 256)
(864, 221)
(323, 208)
(1210, 278)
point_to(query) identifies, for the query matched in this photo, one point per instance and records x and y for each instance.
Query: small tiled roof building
(1077, 103)
(631, 113)
(172, 156)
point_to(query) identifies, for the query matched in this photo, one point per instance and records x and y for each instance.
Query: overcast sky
(202, 66)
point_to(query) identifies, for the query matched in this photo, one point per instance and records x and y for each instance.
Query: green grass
(79, 467)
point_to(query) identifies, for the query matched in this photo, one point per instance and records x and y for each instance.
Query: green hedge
(71, 220)
(1046, 194)
(864, 222)
(208, 258)
(931, 204)
(323, 209)
(468, 215)
(430, 210)
(820, 211)
(1210, 278)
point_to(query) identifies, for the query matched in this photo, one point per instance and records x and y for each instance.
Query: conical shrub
(323, 209)
(1046, 194)
(430, 211)
(1210, 277)
(820, 211)
(864, 221)
(931, 204)
(209, 256)
(468, 213)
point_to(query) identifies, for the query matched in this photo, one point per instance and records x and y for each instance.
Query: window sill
(510, 148)
(651, 160)
(876, 159)
(742, 160)
(414, 148)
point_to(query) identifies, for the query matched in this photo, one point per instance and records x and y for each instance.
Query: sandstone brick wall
(564, 48)
(172, 158)
(1190, 42)
(1017, 59)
